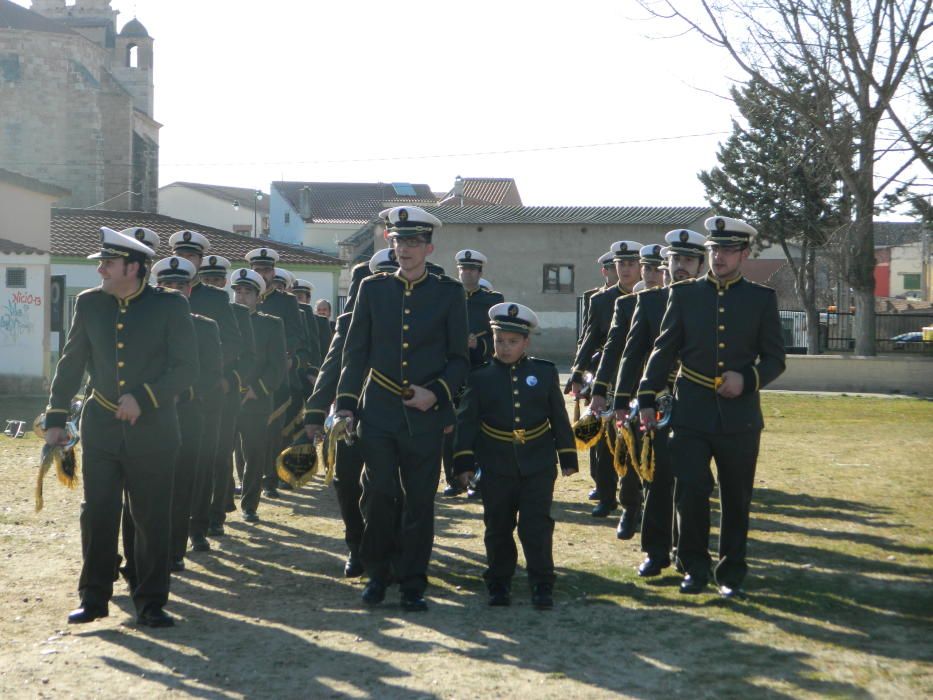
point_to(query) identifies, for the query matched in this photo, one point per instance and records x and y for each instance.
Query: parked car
(904, 340)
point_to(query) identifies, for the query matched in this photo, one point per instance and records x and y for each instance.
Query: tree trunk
(808, 297)
(862, 249)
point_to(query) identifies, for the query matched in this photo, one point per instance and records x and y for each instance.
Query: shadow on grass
(276, 588)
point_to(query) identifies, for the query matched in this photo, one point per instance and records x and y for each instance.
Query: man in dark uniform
(514, 424)
(303, 289)
(219, 413)
(349, 458)
(135, 342)
(470, 270)
(607, 269)
(406, 403)
(630, 492)
(684, 259)
(275, 301)
(179, 274)
(268, 375)
(213, 273)
(727, 334)
(598, 322)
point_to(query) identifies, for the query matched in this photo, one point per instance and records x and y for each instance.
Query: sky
(589, 102)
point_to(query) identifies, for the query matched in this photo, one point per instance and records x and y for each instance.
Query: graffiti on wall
(15, 317)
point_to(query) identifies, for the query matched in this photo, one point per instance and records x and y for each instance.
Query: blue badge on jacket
(531, 380)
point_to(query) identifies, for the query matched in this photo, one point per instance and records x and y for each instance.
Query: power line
(431, 156)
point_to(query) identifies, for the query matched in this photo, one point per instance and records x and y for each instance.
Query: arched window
(132, 56)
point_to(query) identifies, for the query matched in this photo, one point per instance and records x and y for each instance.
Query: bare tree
(861, 53)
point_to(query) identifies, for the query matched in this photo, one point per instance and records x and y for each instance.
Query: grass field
(840, 584)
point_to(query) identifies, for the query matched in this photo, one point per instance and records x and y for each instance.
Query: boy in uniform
(514, 424)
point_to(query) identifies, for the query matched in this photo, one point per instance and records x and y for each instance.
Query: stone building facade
(76, 102)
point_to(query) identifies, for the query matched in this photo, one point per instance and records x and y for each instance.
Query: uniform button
(515, 392)
(119, 346)
(722, 294)
(122, 311)
(722, 345)
(404, 363)
(517, 405)
(722, 328)
(517, 419)
(721, 363)
(405, 345)
(119, 326)
(722, 310)
(405, 381)
(407, 311)
(405, 327)
(407, 294)
(122, 382)
(120, 363)
(514, 379)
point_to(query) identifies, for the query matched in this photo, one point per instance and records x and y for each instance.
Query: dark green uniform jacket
(215, 304)
(209, 360)
(478, 305)
(313, 334)
(598, 321)
(284, 305)
(143, 345)
(324, 334)
(716, 327)
(505, 405)
(645, 328)
(622, 314)
(587, 296)
(269, 332)
(404, 333)
(246, 360)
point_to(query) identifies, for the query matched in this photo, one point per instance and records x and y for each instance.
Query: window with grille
(16, 277)
(558, 279)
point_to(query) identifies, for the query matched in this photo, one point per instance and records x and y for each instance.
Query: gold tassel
(625, 457)
(646, 471)
(576, 410)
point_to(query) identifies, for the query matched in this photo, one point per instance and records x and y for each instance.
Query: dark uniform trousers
(186, 463)
(348, 472)
(658, 529)
(735, 456)
(203, 478)
(222, 472)
(396, 460)
(525, 499)
(253, 429)
(275, 442)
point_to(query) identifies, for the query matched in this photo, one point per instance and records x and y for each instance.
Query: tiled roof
(891, 233)
(76, 232)
(30, 183)
(352, 202)
(12, 247)
(13, 16)
(666, 216)
(489, 191)
(244, 195)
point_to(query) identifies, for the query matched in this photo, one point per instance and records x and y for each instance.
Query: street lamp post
(257, 198)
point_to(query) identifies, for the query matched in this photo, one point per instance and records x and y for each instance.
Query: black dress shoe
(216, 530)
(653, 567)
(728, 592)
(593, 495)
(692, 586)
(542, 597)
(199, 543)
(603, 509)
(473, 494)
(353, 568)
(499, 595)
(452, 491)
(628, 524)
(87, 613)
(237, 490)
(129, 577)
(413, 602)
(177, 565)
(154, 616)
(250, 516)
(374, 593)
(270, 493)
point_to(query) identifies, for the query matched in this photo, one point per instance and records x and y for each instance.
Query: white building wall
(24, 317)
(191, 205)
(905, 260)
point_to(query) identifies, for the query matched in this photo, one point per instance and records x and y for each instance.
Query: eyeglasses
(408, 242)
